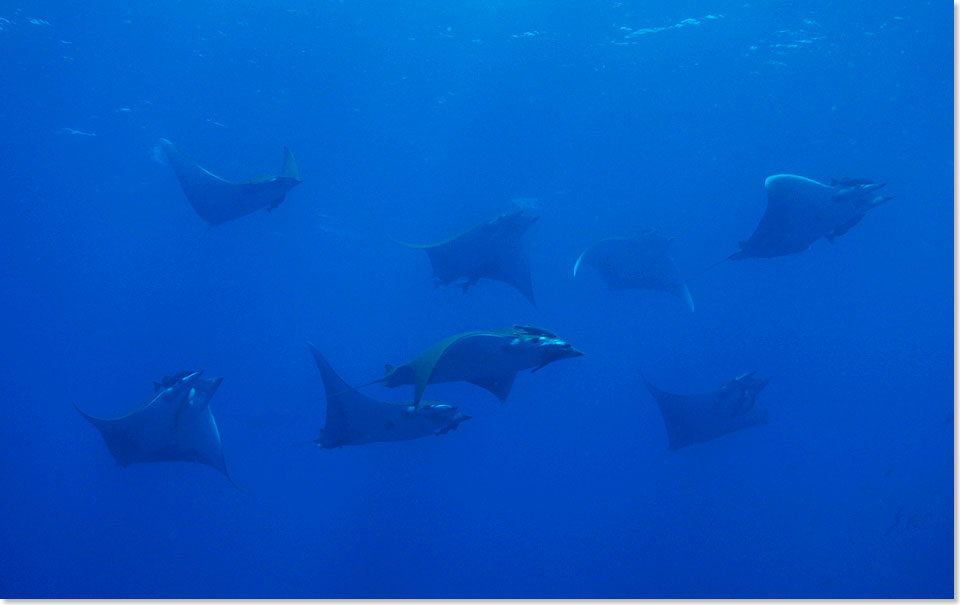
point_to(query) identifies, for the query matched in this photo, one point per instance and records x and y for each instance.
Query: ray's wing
(289, 169)
(675, 412)
(491, 250)
(354, 418)
(500, 386)
(470, 357)
(217, 200)
(157, 432)
(501, 253)
(641, 262)
(139, 436)
(478, 358)
(198, 440)
(350, 413)
(620, 262)
(513, 268)
(794, 204)
(425, 364)
(700, 417)
(798, 212)
(212, 197)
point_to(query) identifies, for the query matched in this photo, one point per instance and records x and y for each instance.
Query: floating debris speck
(653, 30)
(74, 131)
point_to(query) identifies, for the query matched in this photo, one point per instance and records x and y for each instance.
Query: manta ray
(491, 250)
(641, 262)
(354, 418)
(174, 425)
(691, 419)
(217, 200)
(801, 211)
(489, 359)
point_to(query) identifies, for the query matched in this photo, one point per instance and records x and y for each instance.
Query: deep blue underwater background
(417, 120)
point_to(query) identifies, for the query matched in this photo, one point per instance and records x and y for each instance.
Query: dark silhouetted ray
(801, 211)
(175, 425)
(691, 419)
(488, 359)
(354, 418)
(492, 250)
(641, 263)
(217, 200)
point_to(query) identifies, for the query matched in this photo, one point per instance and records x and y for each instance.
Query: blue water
(417, 120)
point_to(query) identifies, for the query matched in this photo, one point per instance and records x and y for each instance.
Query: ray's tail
(712, 266)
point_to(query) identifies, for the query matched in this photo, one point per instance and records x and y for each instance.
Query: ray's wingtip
(770, 179)
(408, 244)
(290, 168)
(576, 265)
(234, 483)
(318, 357)
(646, 382)
(86, 416)
(79, 411)
(688, 298)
